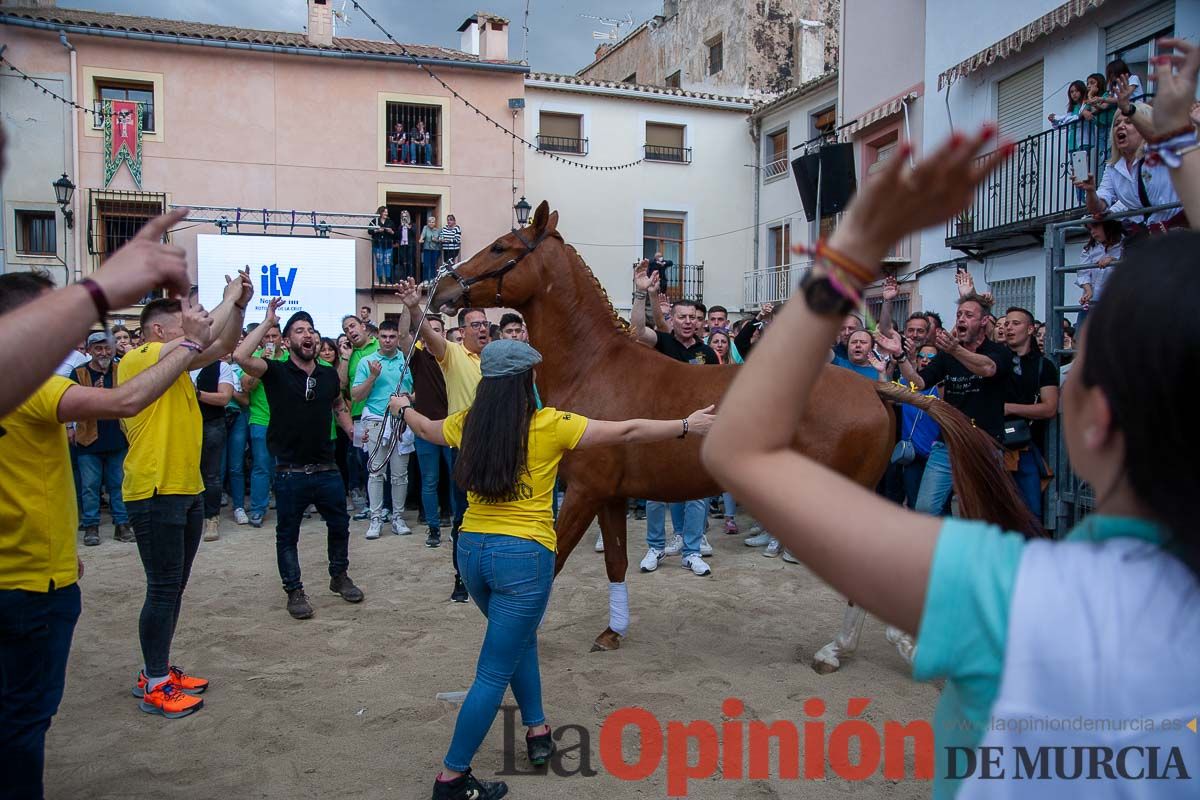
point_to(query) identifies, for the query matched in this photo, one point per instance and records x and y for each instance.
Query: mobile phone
(1079, 165)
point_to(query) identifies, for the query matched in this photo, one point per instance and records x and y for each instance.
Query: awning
(1060, 17)
(879, 113)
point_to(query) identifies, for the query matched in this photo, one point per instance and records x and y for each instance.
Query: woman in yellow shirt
(508, 458)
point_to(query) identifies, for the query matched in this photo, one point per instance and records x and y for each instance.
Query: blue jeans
(936, 483)
(1029, 479)
(416, 151)
(429, 263)
(96, 470)
(383, 264)
(168, 529)
(912, 475)
(430, 456)
(236, 432)
(35, 640)
(509, 579)
(294, 491)
(687, 519)
(260, 472)
(730, 504)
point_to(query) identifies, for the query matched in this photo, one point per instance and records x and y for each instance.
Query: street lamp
(522, 208)
(63, 191)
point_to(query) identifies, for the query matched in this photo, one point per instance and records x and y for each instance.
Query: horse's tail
(984, 488)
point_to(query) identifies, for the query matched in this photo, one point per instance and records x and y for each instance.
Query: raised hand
(642, 280)
(891, 343)
(239, 290)
(1175, 76)
(891, 290)
(701, 420)
(345, 349)
(945, 342)
(144, 264)
(1124, 91)
(767, 310)
(197, 325)
(409, 292)
(877, 364)
(966, 283)
(272, 319)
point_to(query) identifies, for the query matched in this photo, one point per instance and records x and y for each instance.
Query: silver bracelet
(639, 295)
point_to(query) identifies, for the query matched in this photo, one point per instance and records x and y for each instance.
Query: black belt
(307, 469)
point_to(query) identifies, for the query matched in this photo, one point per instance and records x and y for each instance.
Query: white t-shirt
(224, 376)
(73, 361)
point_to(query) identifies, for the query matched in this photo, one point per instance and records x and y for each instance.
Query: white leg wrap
(846, 641)
(618, 607)
(903, 642)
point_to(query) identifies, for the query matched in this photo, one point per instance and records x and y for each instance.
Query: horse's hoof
(826, 660)
(824, 667)
(609, 640)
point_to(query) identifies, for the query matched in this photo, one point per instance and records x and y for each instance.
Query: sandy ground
(343, 705)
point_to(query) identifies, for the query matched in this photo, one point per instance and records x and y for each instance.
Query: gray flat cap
(507, 357)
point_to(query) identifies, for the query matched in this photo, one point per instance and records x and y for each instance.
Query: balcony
(683, 282)
(776, 169)
(562, 144)
(413, 135)
(1030, 190)
(675, 155)
(772, 285)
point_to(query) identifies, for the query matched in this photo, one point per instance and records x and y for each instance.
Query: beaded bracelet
(1171, 150)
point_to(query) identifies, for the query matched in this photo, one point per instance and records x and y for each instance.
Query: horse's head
(502, 274)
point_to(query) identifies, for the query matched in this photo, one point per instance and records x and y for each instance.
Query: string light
(417, 63)
(99, 115)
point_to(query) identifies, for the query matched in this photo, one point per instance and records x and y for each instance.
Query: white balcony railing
(900, 252)
(772, 285)
(776, 169)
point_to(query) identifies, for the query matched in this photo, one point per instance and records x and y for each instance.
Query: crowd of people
(337, 421)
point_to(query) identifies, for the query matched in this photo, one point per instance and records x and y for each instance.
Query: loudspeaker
(835, 164)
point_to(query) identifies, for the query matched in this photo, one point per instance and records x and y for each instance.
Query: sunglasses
(478, 325)
(310, 389)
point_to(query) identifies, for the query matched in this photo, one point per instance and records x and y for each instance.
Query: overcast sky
(559, 39)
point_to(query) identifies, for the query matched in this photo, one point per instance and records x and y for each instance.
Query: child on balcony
(398, 145)
(1103, 249)
(1080, 131)
(421, 143)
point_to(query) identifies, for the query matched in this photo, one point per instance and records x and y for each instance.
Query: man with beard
(974, 373)
(100, 446)
(1032, 397)
(304, 396)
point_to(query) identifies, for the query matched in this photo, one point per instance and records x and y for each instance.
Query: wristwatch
(822, 298)
(1132, 110)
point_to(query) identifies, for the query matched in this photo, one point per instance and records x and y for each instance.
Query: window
(880, 151)
(665, 143)
(780, 241)
(561, 133)
(673, 80)
(716, 54)
(900, 307)
(413, 135)
(36, 233)
(141, 93)
(1021, 292)
(1134, 39)
(1019, 104)
(630, 78)
(117, 217)
(777, 155)
(824, 123)
(664, 234)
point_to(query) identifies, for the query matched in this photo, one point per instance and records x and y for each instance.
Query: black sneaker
(341, 584)
(540, 748)
(298, 605)
(639, 513)
(468, 787)
(124, 533)
(459, 595)
(434, 539)
(91, 535)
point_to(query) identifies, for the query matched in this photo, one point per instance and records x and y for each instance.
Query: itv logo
(274, 284)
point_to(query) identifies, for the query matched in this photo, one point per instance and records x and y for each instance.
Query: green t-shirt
(260, 412)
(352, 368)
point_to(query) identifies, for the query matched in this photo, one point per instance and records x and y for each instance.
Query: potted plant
(964, 222)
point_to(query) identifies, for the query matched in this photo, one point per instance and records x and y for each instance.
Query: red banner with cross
(122, 139)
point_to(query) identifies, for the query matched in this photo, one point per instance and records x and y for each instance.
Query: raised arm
(890, 292)
(977, 363)
(227, 319)
(642, 285)
(600, 433)
(253, 366)
(1175, 74)
(410, 294)
(126, 399)
(749, 451)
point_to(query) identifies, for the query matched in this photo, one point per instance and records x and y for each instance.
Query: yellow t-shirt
(529, 516)
(460, 367)
(38, 516)
(164, 437)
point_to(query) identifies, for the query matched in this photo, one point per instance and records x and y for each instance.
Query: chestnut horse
(591, 365)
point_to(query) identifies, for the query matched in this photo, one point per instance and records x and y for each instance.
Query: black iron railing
(562, 144)
(683, 282)
(413, 135)
(678, 155)
(1034, 185)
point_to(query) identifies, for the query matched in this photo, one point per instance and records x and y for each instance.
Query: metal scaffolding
(265, 220)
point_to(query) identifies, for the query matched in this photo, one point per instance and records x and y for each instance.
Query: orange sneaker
(188, 684)
(169, 702)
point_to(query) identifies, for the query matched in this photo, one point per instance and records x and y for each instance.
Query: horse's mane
(619, 322)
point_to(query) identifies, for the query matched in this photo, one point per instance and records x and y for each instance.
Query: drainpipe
(756, 137)
(74, 97)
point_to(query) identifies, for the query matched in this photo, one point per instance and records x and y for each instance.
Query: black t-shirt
(208, 381)
(698, 353)
(298, 433)
(1027, 375)
(981, 399)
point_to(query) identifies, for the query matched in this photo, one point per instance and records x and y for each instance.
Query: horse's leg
(904, 643)
(616, 562)
(574, 517)
(846, 642)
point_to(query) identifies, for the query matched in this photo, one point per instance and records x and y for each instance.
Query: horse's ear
(552, 223)
(541, 216)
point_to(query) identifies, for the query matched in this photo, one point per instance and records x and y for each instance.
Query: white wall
(601, 213)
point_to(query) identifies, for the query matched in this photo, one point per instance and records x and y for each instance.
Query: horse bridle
(499, 272)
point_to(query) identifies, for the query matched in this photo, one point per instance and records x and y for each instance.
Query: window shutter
(1138, 28)
(661, 135)
(1019, 103)
(566, 126)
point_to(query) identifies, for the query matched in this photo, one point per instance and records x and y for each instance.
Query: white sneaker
(756, 528)
(599, 542)
(705, 547)
(675, 546)
(788, 557)
(400, 527)
(374, 528)
(760, 539)
(773, 548)
(696, 564)
(650, 562)
(239, 516)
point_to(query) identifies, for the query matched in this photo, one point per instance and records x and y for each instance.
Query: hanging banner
(122, 139)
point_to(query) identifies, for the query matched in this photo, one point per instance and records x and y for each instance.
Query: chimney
(469, 40)
(493, 37)
(320, 23)
(601, 49)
